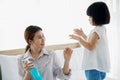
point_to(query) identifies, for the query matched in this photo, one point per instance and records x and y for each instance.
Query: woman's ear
(30, 41)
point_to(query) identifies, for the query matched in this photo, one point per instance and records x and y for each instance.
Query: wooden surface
(50, 47)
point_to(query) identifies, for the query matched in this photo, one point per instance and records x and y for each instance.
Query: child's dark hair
(30, 33)
(99, 13)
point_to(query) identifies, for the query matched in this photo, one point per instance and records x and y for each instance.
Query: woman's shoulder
(49, 52)
(21, 57)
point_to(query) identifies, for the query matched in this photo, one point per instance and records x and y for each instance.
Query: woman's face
(38, 40)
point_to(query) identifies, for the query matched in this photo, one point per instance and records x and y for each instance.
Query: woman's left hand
(67, 54)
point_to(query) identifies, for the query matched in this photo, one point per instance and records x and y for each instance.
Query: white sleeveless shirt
(98, 58)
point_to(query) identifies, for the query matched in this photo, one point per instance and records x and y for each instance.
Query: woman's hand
(67, 54)
(67, 57)
(28, 65)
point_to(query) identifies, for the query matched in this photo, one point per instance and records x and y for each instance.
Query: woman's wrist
(67, 61)
(27, 73)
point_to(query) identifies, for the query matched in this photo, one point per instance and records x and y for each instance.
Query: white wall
(56, 17)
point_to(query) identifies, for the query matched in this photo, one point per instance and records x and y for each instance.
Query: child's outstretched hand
(78, 31)
(67, 54)
(75, 37)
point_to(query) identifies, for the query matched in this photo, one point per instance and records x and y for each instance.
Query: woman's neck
(35, 52)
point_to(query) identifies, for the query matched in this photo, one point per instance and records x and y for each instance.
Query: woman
(45, 60)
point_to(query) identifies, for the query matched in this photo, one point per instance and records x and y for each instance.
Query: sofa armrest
(0, 73)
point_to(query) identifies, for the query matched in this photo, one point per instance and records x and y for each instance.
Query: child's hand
(78, 31)
(75, 37)
(67, 54)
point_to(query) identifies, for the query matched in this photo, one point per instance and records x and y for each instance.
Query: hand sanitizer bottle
(34, 71)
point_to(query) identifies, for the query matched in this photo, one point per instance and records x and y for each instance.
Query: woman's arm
(67, 57)
(27, 67)
(27, 76)
(62, 73)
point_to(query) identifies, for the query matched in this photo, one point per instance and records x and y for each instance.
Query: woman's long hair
(30, 33)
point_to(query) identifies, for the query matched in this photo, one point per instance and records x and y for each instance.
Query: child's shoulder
(99, 28)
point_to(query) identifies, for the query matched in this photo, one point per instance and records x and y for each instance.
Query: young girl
(96, 60)
(45, 60)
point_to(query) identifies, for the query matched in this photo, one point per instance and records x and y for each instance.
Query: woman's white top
(47, 63)
(98, 58)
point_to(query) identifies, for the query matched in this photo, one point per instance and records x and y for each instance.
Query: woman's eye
(39, 37)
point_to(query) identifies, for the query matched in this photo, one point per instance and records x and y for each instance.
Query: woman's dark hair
(99, 13)
(30, 33)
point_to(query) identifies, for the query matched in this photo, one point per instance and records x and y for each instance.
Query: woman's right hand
(28, 65)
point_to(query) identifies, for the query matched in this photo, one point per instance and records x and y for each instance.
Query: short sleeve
(99, 31)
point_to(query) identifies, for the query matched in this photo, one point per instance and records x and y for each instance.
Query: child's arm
(87, 44)
(80, 33)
